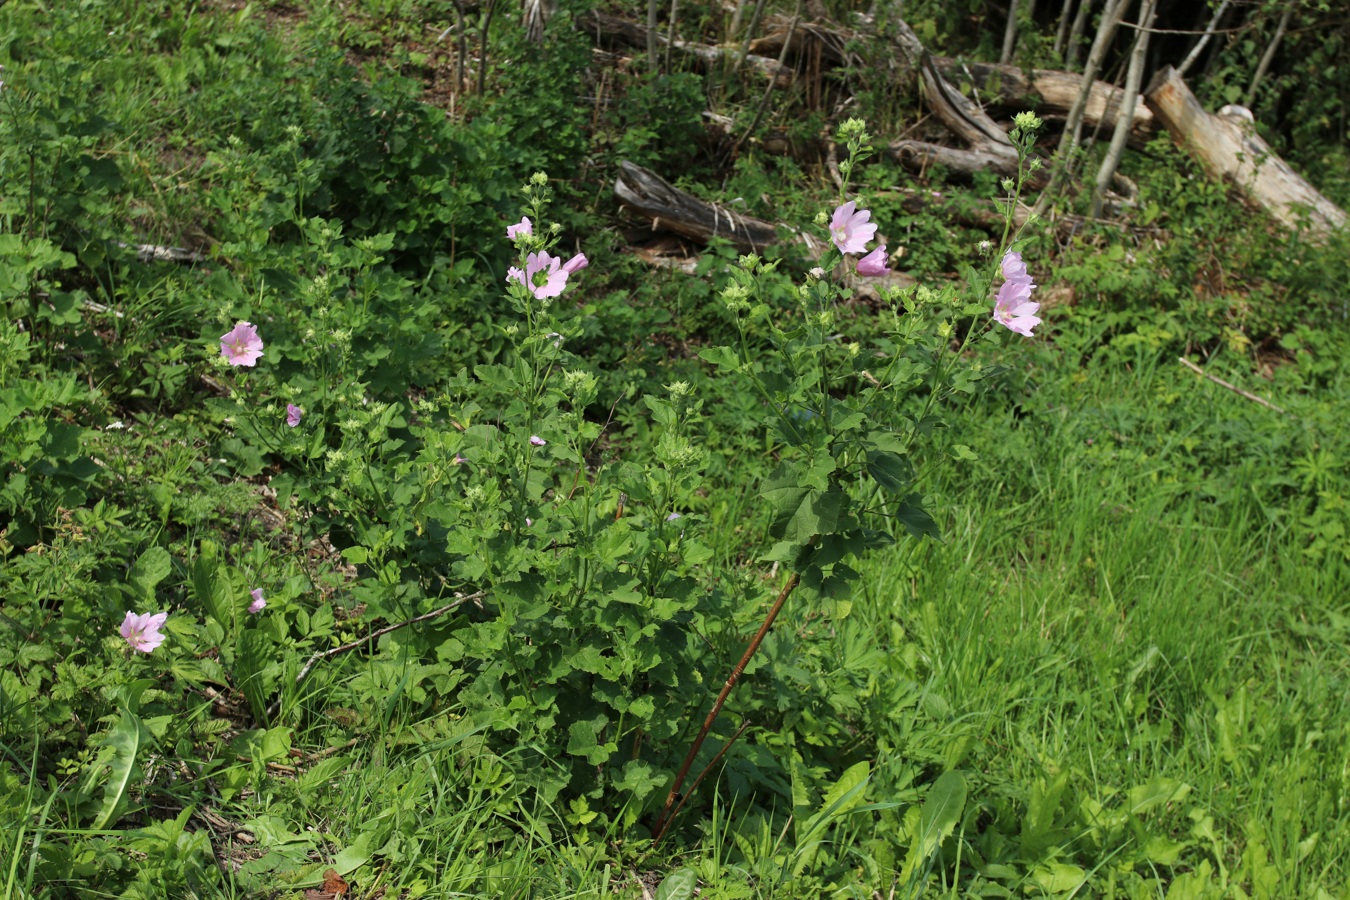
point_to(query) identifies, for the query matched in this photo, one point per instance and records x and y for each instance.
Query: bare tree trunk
(749, 33)
(735, 26)
(1268, 56)
(1063, 31)
(1076, 33)
(1106, 30)
(768, 89)
(670, 33)
(1135, 75)
(651, 37)
(483, 46)
(1009, 33)
(461, 46)
(1204, 39)
(1231, 151)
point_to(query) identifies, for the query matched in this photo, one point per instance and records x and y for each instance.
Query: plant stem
(664, 819)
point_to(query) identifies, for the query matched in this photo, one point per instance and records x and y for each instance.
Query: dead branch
(374, 635)
(1234, 388)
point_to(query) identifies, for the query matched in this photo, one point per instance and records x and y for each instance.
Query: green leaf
(150, 569)
(802, 513)
(126, 739)
(916, 519)
(937, 820)
(210, 582)
(678, 885)
(354, 855)
(321, 773)
(724, 358)
(1058, 878)
(1155, 793)
(847, 791)
(638, 778)
(892, 471)
(582, 741)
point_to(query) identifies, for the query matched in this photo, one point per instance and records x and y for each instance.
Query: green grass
(1127, 659)
(1107, 626)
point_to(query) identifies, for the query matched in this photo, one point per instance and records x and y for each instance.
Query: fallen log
(634, 34)
(1229, 148)
(648, 194)
(1047, 92)
(651, 196)
(990, 147)
(670, 209)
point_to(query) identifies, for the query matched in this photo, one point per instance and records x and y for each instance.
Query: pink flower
(850, 230)
(258, 602)
(1013, 307)
(874, 264)
(241, 346)
(544, 275)
(142, 632)
(1014, 269)
(537, 440)
(515, 274)
(523, 227)
(576, 264)
(293, 414)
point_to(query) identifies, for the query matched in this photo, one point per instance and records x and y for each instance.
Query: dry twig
(1232, 387)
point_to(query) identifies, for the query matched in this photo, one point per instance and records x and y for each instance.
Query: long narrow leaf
(126, 739)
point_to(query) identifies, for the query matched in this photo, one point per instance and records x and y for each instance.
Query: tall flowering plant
(852, 423)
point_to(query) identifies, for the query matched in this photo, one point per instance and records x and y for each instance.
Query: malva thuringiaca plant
(847, 420)
(566, 591)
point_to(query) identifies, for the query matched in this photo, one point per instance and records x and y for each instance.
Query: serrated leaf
(150, 569)
(938, 817)
(210, 582)
(638, 777)
(581, 740)
(802, 513)
(724, 358)
(842, 796)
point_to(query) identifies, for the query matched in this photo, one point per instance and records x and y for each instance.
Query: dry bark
(1047, 92)
(1228, 148)
(634, 34)
(651, 196)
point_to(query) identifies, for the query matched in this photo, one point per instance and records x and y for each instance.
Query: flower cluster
(850, 231)
(1013, 308)
(544, 275)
